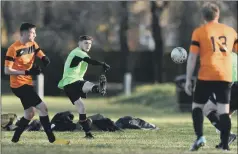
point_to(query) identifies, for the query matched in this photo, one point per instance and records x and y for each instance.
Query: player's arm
(39, 53)
(11, 71)
(9, 61)
(193, 54)
(191, 64)
(92, 61)
(95, 62)
(76, 60)
(35, 70)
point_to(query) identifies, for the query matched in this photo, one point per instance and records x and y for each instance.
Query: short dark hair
(85, 37)
(210, 11)
(26, 26)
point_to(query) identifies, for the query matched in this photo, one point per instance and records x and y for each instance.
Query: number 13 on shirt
(221, 41)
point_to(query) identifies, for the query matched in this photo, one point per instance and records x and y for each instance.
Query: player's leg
(201, 95)
(43, 113)
(234, 98)
(45, 122)
(85, 123)
(36, 101)
(222, 91)
(100, 88)
(233, 108)
(75, 92)
(23, 123)
(22, 93)
(210, 111)
(89, 87)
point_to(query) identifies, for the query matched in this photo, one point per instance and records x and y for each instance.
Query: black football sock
(197, 116)
(214, 120)
(45, 122)
(84, 123)
(225, 123)
(95, 89)
(20, 129)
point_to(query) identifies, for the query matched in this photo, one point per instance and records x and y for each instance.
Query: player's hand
(45, 60)
(188, 87)
(35, 70)
(106, 67)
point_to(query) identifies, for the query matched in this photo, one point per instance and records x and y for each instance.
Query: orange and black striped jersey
(21, 57)
(214, 42)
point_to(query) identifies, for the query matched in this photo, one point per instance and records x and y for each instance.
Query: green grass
(158, 95)
(155, 104)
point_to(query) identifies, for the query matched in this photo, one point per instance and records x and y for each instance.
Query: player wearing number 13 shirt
(214, 43)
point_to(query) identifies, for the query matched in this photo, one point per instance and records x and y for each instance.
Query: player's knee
(206, 111)
(87, 87)
(196, 105)
(79, 106)
(209, 107)
(42, 109)
(29, 113)
(29, 116)
(223, 108)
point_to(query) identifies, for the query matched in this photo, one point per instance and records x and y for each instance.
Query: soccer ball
(179, 55)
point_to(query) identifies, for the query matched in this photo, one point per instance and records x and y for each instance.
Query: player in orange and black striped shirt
(19, 65)
(214, 42)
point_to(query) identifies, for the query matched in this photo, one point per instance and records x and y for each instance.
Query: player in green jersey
(73, 82)
(210, 109)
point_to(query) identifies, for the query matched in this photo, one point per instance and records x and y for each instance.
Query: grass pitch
(155, 104)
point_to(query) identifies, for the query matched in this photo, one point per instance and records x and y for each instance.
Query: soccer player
(210, 109)
(214, 42)
(73, 82)
(19, 65)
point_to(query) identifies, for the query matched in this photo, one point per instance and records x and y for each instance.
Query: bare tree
(7, 15)
(123, 34)
(48, 13)
(156, 11)
(186, 28)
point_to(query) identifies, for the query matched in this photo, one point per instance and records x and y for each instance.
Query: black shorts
(205, 89)
(233, 97)
(74, 91)
(28, 96)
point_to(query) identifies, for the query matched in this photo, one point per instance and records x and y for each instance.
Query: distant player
(210, 109)
(73, 82)
(19, 65)
(214, 42)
